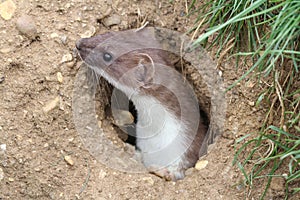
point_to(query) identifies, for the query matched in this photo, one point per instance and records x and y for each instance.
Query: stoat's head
(122, 63)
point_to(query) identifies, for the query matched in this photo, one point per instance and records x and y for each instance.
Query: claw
(164, 172)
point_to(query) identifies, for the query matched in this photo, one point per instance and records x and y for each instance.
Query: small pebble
(89, 33)
(7, 9)
(284, 175)
(220, 73)
(149, 180)
(54, 35)
(105, 14)
(25, 112)
(68, 5)
(69, 160)
(100, 124)
(26, 26)
(71, 64)
(37, 169)
(112, 20)
(102, 174)
(66, 58)
(122, 117)
(201, 164)
(251, 103)
(51, 105)
(60, 77)
(1, 174)
(3, 147)
(5, 50)
(64, 39)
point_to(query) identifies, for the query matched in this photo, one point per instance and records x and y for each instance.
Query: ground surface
(33, 165)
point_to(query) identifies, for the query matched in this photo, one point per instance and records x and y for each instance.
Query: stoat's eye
(107, 57)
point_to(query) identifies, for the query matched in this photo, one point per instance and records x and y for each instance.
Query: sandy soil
(34, 164)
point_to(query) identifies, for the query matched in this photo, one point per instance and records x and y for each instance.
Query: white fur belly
(160, 134)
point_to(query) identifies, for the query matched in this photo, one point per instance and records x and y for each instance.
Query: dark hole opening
(132, 137)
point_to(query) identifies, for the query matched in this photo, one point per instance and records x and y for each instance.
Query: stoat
(169, 129)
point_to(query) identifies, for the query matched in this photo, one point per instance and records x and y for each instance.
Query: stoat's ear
(144, 73)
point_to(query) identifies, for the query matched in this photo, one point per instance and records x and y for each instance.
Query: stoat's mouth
(84, 48)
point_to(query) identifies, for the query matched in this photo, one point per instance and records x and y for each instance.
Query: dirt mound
(42, 156)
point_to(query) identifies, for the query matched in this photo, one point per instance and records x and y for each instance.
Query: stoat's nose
(78, 44)
(84, 47)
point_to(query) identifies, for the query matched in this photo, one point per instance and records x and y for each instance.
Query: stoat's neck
(160, 134)
(154, 117)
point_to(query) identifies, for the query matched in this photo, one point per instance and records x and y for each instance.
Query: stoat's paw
(138, 156)
(167, 173)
